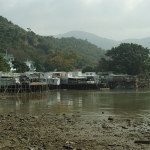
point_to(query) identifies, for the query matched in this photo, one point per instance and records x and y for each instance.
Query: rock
(30, 148)
(40, 148)
(9, 115)
(110, 118)
(142, 142)
(104, 125)
(68, 147)
(67, 142)
(123, 127)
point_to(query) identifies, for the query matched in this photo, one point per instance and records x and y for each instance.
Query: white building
(31, 66)
(50, 78)
(9, 58)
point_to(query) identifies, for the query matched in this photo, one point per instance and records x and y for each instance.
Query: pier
(43, 86)
(40, 82)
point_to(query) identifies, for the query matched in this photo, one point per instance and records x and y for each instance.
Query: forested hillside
(44, 50)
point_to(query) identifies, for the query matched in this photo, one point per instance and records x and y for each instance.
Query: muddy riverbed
(72, 132)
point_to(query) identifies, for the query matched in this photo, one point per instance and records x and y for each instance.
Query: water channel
(129, 103)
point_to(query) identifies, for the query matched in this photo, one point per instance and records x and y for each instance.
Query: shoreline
(72, 132)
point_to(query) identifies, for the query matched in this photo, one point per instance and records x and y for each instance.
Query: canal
(122, 104)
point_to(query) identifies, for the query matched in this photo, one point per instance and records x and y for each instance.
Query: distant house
(9, 58)
(31, 66)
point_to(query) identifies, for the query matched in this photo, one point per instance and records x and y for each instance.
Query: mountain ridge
(101, 42)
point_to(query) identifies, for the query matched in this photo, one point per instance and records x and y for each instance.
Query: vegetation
(20, 66)
(4, 66)
(126, 58)
(88, 69)
(66, 54)
(47, 51)
(63, 61)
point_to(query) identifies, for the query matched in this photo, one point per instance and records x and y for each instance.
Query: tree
(20, 66)
(102, 65)
(146, 66)
(4, 66)
(64, 61)
(39, 64)
(128, 58)
(88, 69)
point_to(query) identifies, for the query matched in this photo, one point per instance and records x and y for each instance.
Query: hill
(104, 43)
(145, 42)
(28, 45)
(92, 38)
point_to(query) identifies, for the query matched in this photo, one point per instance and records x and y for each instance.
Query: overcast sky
(112, 19)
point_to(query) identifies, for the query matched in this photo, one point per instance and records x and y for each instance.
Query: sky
(111, 19)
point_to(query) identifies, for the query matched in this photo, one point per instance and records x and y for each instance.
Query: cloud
(116, 19)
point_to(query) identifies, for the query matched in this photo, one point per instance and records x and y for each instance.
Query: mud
(72, 132)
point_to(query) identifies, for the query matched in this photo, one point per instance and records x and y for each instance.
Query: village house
(9, 58)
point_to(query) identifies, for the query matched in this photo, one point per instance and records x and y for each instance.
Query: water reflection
(119, 103)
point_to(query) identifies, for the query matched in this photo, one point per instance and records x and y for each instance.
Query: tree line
(127, 58)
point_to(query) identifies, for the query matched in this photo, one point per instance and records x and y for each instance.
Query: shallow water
(129, 103)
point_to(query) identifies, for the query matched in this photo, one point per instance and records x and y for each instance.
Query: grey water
(123, 103)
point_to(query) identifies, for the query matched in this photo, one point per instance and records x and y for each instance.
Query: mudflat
(72, 132)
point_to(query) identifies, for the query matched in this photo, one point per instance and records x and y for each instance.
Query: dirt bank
(72, 132)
